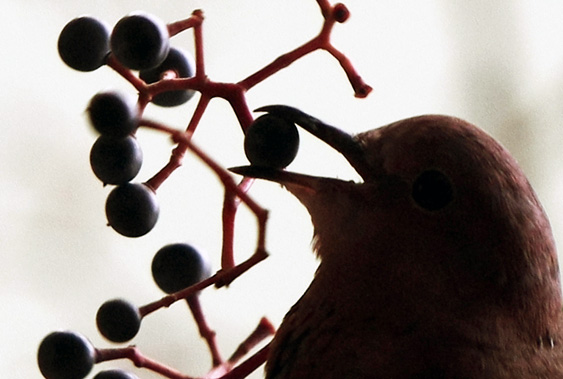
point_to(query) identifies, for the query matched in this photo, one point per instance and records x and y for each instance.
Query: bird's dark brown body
(440, 264)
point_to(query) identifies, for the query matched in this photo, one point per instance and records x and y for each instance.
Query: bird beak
(295, 182)
(341, 141)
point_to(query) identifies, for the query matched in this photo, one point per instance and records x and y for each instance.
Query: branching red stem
(139, 360)
(194, 21)
(262, 331)
(204, 330)
(230, 205)
(221, 277)
(222, 370)
(234, 93)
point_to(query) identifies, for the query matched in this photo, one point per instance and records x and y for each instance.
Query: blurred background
(497, 64)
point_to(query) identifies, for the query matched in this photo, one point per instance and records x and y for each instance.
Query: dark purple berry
(182, 65)
(116, 160)
(140, 41)
(271, 141)
(118, 320)
(132, 209)
(84, 43)
(115, 374)
(113, 114)
(178, 266)
(65, 355)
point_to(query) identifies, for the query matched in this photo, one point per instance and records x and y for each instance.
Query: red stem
(198, 113)
(195, 20)
(225, 369)
(250, 365)
(139, 360)
(230, 205)
(127, 74)
(325, 8)
(204, 330)
(279, 63)
(234, 93)
(262, 331)
(199, 61)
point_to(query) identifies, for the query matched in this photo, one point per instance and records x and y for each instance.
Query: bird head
(443, 218)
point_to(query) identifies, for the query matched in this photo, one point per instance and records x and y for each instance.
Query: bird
(439, 263)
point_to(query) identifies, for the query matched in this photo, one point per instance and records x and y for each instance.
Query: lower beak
(291, 180)
(310, 190)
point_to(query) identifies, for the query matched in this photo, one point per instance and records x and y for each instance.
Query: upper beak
(341, 141)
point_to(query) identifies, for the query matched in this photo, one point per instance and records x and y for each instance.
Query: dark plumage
(440, 264)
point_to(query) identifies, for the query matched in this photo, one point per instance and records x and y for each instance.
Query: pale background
(496, 63)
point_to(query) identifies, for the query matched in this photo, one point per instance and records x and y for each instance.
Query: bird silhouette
(439, 264)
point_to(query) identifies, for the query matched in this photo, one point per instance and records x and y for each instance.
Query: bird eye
(432, 190)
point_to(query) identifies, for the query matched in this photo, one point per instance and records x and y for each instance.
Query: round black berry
(118, 320)
(182, 65)
(113, 114)
(116, 160)
(84, 43)
(132, 209)
(140, 41)
(271, 141)
(65, 355)
(115, 374)
(178, 266)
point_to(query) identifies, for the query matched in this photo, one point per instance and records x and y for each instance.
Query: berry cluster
(139, 49)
